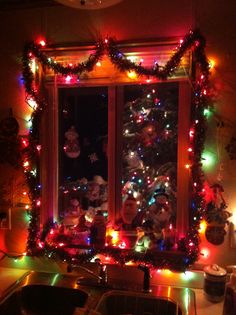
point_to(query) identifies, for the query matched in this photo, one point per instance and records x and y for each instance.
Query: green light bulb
(206, 112)
(208, 159)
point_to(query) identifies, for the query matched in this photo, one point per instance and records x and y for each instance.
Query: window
(91, 76)
(78, 108)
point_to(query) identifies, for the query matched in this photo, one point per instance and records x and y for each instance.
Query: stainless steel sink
(162, 300)
(118, 302)
(40, 293)
(43, 298)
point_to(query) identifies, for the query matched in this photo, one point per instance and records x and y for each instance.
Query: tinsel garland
(194, 41)
(173, 260)
(201, 101)
(194, 38)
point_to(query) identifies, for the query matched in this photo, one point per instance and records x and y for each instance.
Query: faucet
(146, 277)
(102, 272)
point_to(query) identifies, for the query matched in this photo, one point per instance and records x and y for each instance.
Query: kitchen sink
(163, 300)
(42, 299)
(120, 302)
(40, 293)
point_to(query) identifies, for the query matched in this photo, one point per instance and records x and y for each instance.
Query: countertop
(9, 276)
(205, 307)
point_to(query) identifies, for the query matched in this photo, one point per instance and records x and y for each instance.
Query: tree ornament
(148, 134)
(71, 146)
(133, 160)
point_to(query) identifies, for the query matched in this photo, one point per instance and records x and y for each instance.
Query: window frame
(49, 130)
(50, 158)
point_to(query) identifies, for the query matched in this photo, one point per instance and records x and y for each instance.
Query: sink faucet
(101, 276)
(146, 277)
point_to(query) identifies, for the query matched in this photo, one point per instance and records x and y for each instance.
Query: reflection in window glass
(149, 173)
(83, 167)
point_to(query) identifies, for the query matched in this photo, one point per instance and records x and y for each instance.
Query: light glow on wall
(205, 253)
(233, 218)
(208, 159)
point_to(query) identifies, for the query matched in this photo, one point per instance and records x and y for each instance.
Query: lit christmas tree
(150, 144)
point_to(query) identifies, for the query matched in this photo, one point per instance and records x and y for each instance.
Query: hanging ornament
(71, 146)
(216, 216)
(215, 233)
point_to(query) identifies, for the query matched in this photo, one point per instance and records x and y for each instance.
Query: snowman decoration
(71, 146)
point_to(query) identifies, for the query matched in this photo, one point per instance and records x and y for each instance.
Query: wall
(216, 20)
(134, 19)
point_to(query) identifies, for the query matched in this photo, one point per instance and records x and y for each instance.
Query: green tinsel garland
(195, 41)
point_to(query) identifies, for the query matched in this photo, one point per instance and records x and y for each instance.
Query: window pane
(150, 140)
(83, 126)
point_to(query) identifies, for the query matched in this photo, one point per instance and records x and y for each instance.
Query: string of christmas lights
(201, 100)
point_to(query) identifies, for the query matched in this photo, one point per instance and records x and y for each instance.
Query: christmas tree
(150, 138)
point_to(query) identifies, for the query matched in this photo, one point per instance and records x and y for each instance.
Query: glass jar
(214, 283)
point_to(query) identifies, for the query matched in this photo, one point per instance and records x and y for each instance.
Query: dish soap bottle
(230, 295)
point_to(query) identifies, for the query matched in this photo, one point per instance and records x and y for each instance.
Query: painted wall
(130, 20)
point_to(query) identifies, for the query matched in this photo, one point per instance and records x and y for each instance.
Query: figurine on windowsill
(83, 224)
(147, 237)
(160, 213)
(98, 231)
(72, 213)
(129, 216)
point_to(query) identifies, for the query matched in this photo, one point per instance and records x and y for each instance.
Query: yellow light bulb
(132, 75)
(203, 226)
(212, 63)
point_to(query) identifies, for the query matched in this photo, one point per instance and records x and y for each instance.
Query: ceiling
(78, 4)
(89, 4)
(23, 4)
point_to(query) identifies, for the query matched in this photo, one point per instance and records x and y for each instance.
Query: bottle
(98, 231)
(230, 295)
